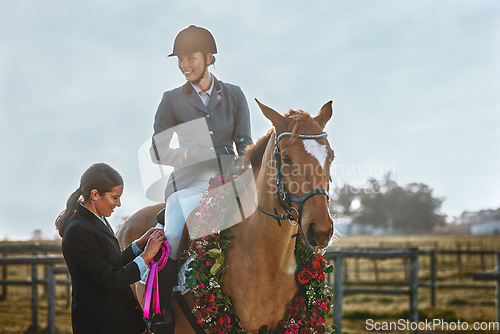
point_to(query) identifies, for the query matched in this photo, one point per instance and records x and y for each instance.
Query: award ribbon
(151, 294)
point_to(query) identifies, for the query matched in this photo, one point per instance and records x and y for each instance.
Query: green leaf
(224, 244)
(264, 330)
(227, 233)
(215, 269)
(214, 252)
(328, 269)
(190, 281)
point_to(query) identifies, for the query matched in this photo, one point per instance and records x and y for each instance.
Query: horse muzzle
(316, 238)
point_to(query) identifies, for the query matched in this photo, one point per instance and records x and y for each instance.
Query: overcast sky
(416, 88)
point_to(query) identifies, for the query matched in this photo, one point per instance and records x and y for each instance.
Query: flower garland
(305, 315)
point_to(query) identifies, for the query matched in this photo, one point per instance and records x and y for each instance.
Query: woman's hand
(142, 241)
(153, 245)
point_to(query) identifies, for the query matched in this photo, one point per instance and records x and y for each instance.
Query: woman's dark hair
(101, 177)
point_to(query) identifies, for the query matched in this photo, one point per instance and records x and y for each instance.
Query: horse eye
(286, 159)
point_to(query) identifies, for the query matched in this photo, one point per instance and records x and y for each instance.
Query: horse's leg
(182, 325)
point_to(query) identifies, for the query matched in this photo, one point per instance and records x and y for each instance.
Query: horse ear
(275, 117)
(324, 114)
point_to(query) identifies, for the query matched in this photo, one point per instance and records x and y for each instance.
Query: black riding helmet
(193, 39)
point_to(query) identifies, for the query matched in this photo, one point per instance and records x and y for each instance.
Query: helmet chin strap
(197, 81)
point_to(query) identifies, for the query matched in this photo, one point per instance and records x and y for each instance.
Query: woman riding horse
(291, 165)
(209, 118)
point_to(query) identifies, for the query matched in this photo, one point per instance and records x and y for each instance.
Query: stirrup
(158, 325)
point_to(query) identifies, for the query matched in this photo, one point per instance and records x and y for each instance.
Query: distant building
(486, 228)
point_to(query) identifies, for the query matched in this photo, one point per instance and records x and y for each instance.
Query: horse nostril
(311, 233)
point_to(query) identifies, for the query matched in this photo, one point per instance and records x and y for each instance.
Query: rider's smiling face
(192, 65)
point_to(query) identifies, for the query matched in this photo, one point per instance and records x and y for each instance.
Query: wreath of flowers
(307, 311)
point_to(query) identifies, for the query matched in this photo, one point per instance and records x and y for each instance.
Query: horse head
(302, 160)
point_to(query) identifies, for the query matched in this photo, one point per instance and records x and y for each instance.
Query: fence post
(375, 269)
(34, 294)
(459, 262)
(497, 270)
(483, 267)
(405, 267)
(433, 277)
(51, 295)
(337, 294)
(345, 271)
(356, 268)
(4, 277)
(414, 285)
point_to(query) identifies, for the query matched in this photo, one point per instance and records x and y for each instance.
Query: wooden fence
(50, 263)
(411, 257)
(494, 276)
(339, 290)
(49, 256)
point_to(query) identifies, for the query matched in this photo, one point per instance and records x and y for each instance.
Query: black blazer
(101, 275)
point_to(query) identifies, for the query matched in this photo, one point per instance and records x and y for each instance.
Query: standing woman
(101, 274)
(212, 122)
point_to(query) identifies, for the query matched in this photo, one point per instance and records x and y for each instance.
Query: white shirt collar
(208, 91)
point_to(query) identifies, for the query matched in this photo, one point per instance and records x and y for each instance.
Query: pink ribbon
(151, 292)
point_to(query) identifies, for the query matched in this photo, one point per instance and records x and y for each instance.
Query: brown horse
(261, 263)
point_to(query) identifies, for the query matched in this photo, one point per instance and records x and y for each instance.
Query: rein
(285, 198)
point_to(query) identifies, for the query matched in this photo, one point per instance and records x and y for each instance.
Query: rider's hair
(205, 53)
(100, 177)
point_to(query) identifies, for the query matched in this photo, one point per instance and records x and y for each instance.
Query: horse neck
(262, 233)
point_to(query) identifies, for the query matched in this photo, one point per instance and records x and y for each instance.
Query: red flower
(320, 329)
(224, 320)
(316, 266)
(201, 251)
(299, 300)
(304, 277)
(321, 260)
(209, 298)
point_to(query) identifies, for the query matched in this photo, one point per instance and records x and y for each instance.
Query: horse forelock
(301, 122)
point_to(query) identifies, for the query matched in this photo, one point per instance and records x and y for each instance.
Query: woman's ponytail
(71, 206)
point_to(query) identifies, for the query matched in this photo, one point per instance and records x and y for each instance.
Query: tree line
(412, 208)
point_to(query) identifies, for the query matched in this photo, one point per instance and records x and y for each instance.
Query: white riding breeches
(178, 207)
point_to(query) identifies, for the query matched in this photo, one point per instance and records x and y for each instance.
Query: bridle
(284, 197)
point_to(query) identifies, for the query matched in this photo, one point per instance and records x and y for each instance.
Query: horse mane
(297, 122)
(255, 152)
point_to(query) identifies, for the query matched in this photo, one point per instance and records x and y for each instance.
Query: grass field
(470, 305)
